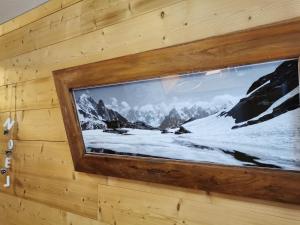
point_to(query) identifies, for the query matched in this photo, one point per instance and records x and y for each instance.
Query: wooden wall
(63, 33)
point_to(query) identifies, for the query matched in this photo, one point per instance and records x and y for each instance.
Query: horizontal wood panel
(34, 14)
(128, 217)
(44, 124)
(78, 19)
(36, 125)
(189, 17)
(128, 197)
(139, 202)
(45, 159)
(36, 94)
(7, 98)
(43, 168)
(71, 195)
(19, 211)
(43, 171)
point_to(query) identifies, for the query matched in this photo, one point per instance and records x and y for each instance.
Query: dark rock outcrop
(165, 131)
(88, 115)
(116, 131)
(141, 125)
(98, 116)
(265, 91)
(182, 130)
(91, 126)
(172, 120)
(290, 104)
(109, 114)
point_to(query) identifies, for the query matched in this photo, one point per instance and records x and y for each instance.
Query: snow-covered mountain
(158, 115)
(88, 115)
(268, 97)
(92, 115)
(260, 129)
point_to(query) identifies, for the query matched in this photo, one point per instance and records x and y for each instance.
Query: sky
(202, 86)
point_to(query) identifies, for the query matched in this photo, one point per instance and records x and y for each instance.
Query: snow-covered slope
(274, 143)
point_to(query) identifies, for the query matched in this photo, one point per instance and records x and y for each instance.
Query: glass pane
(242, 116)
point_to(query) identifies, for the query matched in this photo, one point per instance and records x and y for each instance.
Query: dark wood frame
(277, 41)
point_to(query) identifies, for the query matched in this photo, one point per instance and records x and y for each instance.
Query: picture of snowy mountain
(241, 116)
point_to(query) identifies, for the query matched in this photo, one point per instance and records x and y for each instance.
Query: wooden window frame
(272, 42)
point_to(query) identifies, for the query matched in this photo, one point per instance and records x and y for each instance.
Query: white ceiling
(10, 9)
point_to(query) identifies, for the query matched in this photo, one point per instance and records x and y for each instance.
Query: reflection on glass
(244, 116)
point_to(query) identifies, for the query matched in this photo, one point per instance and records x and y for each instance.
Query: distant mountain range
(279, 87)
(93, 115)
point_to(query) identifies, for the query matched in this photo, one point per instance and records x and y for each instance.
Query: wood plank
(126, 199)
(202, 22)
(7, 98)
(46, 159)
(36, 94)
(128, 217)
(69, 195)
(34, 14)
(44, 124)
(78, 19)
(214, 210)
(191, 21)
(156, 205)
(20, 211)
(155, 188)
(37, 125)
(43, 171)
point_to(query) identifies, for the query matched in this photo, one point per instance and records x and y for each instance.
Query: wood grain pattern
(35, 14)
(182, 22)
(48, 123)
(267, 43)
(198, 19)
(51, 158)
(7, 98)
(36, 94)
(121, 202)
(20, 211)
(78, 19)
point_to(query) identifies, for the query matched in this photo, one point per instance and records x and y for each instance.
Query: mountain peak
(265, 91)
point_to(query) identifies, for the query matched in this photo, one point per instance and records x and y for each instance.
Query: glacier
(271, 142)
